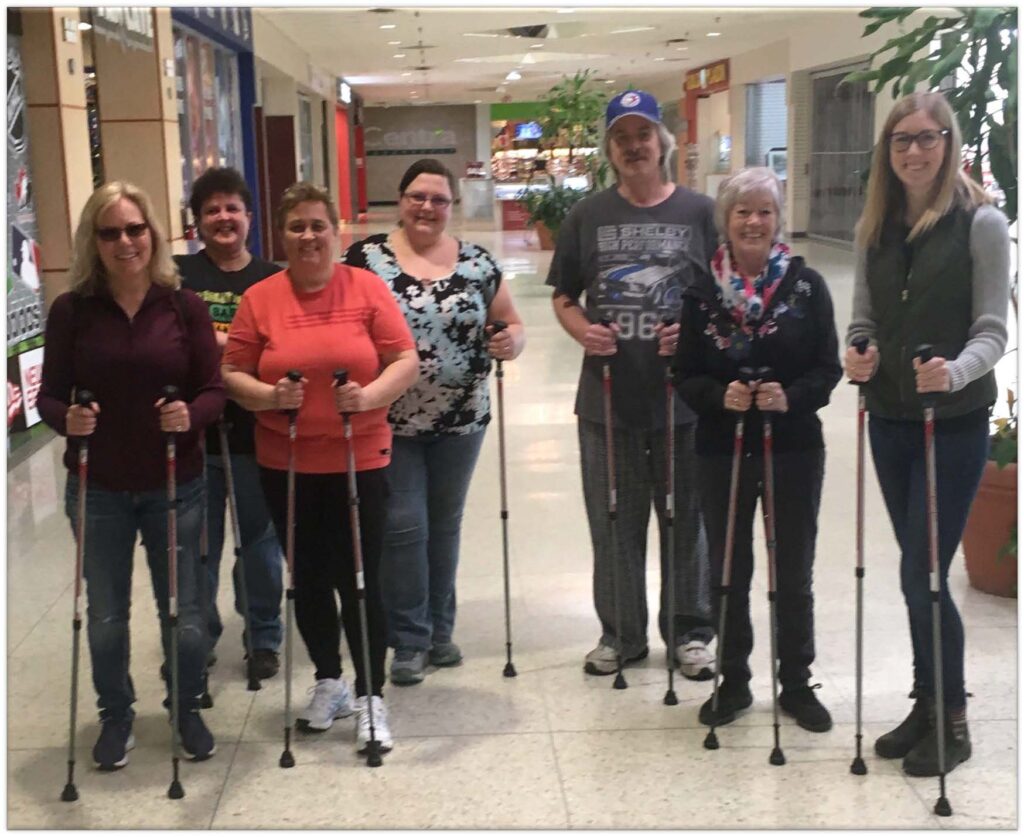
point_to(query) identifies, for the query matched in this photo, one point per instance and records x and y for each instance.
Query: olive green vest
(921, 293)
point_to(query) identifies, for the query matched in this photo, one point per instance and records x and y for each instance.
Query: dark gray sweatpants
(640, 481)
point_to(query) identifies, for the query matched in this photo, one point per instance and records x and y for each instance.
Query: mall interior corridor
(551, 748)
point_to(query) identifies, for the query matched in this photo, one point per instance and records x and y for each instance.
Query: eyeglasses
(436, 201)
(926, 140)
(115, 233)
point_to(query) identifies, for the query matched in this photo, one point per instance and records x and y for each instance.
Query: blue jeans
(113, 519)
(261, 552)
(429, 478)
(961, 448)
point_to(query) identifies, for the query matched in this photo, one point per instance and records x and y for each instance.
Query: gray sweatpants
(640, 480)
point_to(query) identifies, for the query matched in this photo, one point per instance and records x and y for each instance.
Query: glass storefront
(208, 106)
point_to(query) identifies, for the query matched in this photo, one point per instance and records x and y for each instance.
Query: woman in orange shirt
(315, 317)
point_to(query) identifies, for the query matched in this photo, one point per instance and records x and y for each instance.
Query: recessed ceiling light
(513, 76)
(609, 81)
(394, 43)
(565, 11)
(714, 34)
(84, 27)
(398, 55)
(478, 101)
(480, 35)
(536, 46)
(659, 59)
(406, 74)
(631, 29)
(681, 49)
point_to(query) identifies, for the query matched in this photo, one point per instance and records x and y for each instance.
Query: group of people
(646, 275)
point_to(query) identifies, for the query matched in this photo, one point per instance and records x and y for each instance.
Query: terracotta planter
(547, 242)
(989, 524)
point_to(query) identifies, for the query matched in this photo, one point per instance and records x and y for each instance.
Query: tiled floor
(551, 748)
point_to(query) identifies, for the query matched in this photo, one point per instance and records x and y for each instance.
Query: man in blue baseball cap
(631, 249)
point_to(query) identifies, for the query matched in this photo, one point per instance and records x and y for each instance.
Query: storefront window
(208, 105)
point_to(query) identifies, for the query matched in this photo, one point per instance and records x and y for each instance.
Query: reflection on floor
(552, 748)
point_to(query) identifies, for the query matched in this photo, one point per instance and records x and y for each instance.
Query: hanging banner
(24, 294)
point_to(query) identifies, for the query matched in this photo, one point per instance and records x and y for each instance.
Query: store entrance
(841, 128)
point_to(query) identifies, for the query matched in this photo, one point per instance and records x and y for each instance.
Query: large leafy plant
(982, 42)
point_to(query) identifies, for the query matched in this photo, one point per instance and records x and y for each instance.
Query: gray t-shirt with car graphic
(632, 263)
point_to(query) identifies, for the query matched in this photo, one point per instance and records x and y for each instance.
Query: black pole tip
(776, 757)
(254, 684)
(287, 759)
(620, 682)
(858, 768)
(70, 793)
(176, 791)
(711, 740)
(206, 701)
(373, 758)
(942, 807)
(670, 698)
(509, 670)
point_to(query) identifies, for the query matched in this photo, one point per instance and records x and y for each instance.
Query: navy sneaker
(111, 749)
(196, 740)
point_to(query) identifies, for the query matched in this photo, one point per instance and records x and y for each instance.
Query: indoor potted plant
(990, 537)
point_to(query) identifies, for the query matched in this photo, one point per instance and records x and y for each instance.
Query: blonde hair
(886, 198)
(750, 181)
(87, 274)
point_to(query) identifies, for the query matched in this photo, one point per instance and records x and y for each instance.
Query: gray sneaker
(407, 666)
(445, 654)
(604, 660)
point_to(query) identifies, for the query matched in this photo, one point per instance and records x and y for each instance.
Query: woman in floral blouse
(760, 306)
(450, 291)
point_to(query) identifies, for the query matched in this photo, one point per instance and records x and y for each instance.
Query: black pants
(798, 478)
(324, 564)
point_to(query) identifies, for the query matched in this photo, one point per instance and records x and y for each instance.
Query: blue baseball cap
(632, 103)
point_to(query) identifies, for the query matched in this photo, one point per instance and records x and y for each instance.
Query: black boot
(896, 743)
(923, 760)
(733, 697)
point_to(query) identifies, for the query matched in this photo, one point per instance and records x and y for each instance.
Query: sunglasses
(926, 140)
(436, 201)
(115, 233)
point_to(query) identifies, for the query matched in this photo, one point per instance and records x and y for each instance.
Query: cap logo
(629, 100)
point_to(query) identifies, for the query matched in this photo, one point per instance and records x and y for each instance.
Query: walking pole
(711, 740)
(239, 567)
(205, 699)
(287, 759)
(83, 398)
(858, 767)
(613, 511)
(942, 806)
(670, 698)
(373, 753)
(175, 791)
(764, 375)
(499, 375)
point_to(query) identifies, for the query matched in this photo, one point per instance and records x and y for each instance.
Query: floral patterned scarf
(748, 299)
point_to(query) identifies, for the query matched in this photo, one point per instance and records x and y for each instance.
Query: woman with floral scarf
(760, 306)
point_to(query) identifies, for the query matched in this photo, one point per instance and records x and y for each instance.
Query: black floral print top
(447, 317)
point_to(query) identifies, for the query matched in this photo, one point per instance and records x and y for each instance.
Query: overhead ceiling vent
(382, 11)
(540, 31)
(422, 68)
(417, 46)
(677, 41)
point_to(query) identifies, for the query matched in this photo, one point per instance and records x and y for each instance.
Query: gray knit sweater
(990, 256)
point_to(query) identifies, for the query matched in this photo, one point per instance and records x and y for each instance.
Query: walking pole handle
(340, 377)
(764, 374)
(498, 325)
(746, 375)
(924, 353)
(83, 398)
(861, 345)
(170, 392)
(605, 320)
(294, 376)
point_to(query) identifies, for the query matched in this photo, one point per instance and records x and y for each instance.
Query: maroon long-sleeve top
(92, 344)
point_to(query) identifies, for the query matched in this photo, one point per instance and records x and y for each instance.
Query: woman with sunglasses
(123, 332)
(932, 268)
(449, 290)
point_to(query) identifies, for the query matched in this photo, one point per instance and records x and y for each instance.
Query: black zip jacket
(797, 339)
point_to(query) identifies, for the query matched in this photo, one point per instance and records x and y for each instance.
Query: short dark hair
(226, 181)
(427, 165)
(303, 192)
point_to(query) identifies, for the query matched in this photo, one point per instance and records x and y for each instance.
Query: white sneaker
(696, 662)
(605, 660)
(331, 699)
(380, 724)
